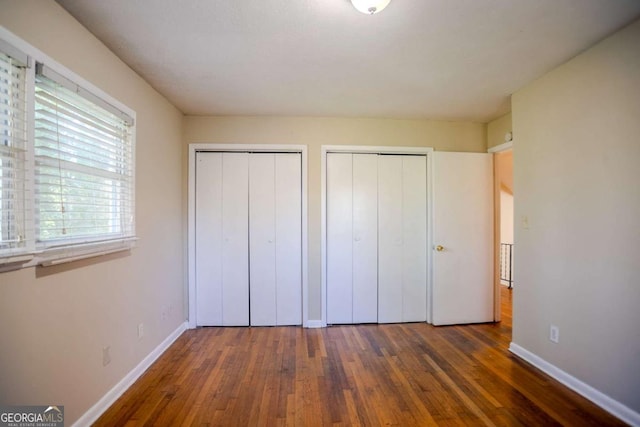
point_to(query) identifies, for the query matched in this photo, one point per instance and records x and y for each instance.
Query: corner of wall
(497, 129)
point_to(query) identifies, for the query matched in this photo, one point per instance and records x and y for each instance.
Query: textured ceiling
(439, 59)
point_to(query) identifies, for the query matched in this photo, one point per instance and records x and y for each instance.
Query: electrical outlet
(106, 355)
(554, 334)
(140, 330)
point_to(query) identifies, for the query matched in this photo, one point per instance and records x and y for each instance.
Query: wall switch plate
(106, 355)
(140, 330)
(554, 334)
(525, 222)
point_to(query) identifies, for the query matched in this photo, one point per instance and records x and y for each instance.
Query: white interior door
(288, 226)
(339, 238)
(463, 236)
(248, 239)
(262, 237)
(222, 279)
(235, 232)
(402, 247)
(414, 238)
(365, 238)
(390, 239)
(376, 238)
(208, 239)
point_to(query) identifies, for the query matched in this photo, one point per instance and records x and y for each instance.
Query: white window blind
(14, 201)
(84, 181)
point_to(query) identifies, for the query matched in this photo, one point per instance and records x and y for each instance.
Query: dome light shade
(370, 6)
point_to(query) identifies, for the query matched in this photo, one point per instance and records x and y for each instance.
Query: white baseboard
(112, 395)
(314, 324)
(610, 405)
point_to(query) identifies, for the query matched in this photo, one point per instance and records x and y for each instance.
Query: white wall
(56, 320)
(577, 172)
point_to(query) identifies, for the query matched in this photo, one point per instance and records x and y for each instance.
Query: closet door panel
(414, 224)
(288, 227)
(365, 238)
(390, 239)
(262, 238)
(235, 232)
(339, 238)
(208, 239)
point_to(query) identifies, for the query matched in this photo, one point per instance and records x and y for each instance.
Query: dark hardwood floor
(402, 374)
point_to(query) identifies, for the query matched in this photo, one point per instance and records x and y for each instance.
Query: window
(66, 164)
(13, 151)
(83, 165)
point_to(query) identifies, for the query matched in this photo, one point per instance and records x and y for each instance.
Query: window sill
(50, 257)
(16, 262)
(63, 255)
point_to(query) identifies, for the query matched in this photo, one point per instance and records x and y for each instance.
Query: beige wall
(315, 132)
(496, 130)
(577, 171)
(55, 321)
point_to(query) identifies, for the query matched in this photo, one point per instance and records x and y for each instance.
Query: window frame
(34, 254)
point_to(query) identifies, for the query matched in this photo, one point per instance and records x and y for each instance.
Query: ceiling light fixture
(370, 6)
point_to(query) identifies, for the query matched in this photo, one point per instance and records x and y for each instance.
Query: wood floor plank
(403, 374)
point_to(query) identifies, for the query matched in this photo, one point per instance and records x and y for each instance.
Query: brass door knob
(439, 248)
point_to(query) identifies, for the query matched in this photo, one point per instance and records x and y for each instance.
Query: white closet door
(365, 238)
(339, 238)
(222, 280)
(288, 226)
(414, 231)
(208, 239)
(235, 232)
(390, 239)
(262, 237)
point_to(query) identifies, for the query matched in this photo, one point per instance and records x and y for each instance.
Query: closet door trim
(358, 149)
(191, 215)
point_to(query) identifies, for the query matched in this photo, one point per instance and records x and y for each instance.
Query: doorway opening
(504, 242)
